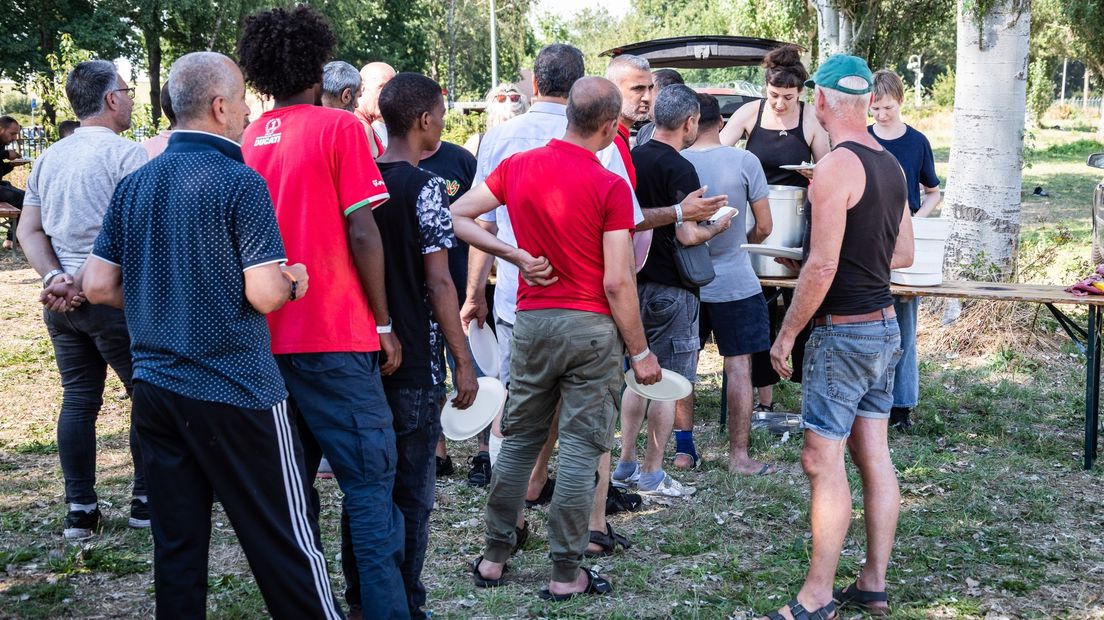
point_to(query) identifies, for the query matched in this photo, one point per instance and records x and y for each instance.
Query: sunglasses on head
(501, 97)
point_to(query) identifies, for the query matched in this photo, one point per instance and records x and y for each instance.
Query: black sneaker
(139, 514)
(81, 524)
(480, 474)
(444, 466)
(899, 419)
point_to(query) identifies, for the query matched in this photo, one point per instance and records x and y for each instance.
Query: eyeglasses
(501, 97)
(131, 92)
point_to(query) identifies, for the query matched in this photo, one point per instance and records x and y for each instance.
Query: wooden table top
(1003, 291)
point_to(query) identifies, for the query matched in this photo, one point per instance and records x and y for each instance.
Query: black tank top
(777, 147)
(861, 284)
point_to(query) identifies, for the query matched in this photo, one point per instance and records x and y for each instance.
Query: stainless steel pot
(787, 205)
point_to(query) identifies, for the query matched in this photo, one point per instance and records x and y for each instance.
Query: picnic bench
(9, 214)
(1087, 339)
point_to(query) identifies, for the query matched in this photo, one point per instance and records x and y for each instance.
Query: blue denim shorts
(848, 372)
(670, 318)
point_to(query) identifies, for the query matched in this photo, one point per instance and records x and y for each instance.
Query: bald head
(373, 76)
(208, 94)
(592, 105)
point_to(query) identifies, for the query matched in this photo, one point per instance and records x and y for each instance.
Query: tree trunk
(846, 33)
(1085, 89)
(984, 178)
(153, 52)
(828, 28)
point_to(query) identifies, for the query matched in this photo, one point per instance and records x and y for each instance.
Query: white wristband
(639, 357)
(678, 215)
(384, 329)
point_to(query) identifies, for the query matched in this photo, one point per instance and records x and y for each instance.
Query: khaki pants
(557, 355)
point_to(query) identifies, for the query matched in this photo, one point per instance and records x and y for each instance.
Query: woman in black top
(780, 129)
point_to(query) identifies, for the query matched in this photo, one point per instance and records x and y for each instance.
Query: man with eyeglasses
(67, 196)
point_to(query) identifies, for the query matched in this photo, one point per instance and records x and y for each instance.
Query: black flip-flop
(479, 580)
(545, 494)
(608, 542)
(595, 585)
(852, 595)
(828, 612)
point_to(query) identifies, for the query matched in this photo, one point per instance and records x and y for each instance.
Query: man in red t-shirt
(577, 312)
(319, 170)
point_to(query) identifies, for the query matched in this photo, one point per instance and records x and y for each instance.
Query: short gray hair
(844, 104)
(88, 85)
(195, 79)
(626, 61)
(338, 75)
(674, 105)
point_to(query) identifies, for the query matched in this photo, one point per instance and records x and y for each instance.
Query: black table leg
(1092, 385)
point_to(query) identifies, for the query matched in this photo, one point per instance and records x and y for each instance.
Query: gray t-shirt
(738, 174)
(72, 182)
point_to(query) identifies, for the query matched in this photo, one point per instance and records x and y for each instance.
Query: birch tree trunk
(828, 28)
(984, 178)
(846, 33)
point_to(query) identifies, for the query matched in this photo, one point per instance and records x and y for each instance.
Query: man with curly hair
(320, 172)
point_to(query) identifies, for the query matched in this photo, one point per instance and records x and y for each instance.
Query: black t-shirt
(413, 223)
(456, 166)
(663, 178)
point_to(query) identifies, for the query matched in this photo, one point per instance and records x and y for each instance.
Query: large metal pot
(787, 205)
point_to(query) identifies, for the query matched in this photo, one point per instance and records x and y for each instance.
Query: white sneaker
(625, 483)
(669, 487)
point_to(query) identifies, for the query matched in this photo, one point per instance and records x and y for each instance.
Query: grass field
(998, 520)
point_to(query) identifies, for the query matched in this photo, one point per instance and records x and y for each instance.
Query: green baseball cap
(841, 66)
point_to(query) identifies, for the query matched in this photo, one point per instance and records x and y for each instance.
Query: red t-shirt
(561, 200)
(622, 142)
(319, 169)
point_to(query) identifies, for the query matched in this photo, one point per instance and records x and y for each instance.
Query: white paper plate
(484, 347)
(776, 251)
(801, 166)
(21, 160)
(722, 212)
(461, 424)
(672, 386)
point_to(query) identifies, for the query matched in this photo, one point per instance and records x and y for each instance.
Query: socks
(83, 507)
(649, 481)
(684, 443)
(624, 469)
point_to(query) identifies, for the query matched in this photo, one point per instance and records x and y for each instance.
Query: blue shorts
(848, 372)
(738, 327)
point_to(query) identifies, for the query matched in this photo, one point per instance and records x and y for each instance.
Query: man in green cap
(858, 229)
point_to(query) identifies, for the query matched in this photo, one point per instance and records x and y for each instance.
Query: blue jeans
(86, 341)
(340, 398)
(417, 414)
(848, 372)
(906, 382)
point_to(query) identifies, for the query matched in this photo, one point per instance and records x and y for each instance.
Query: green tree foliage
(33, 31)
(466, 47)
(1040, 88)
